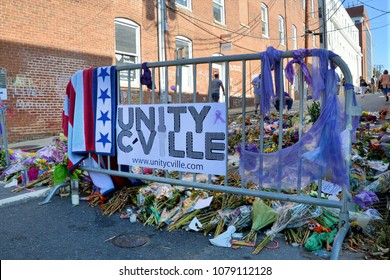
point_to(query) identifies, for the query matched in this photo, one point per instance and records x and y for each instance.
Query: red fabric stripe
(71, 93)
(89, 115)
(65, 120)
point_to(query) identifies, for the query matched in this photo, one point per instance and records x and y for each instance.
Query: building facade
(43, 43)
(341, 36)
(360, 18)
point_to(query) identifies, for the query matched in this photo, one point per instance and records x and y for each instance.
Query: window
(294, 37)
(127, 47)
(184, 3)
(3, 79)
(264, 20)
(184, 50)
(218, 11)
(304, 4)
(281, 30)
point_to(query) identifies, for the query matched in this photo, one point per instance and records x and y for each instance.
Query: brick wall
(43, 43)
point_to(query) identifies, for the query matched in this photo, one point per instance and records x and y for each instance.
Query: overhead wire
(185, 16)
(329, 17)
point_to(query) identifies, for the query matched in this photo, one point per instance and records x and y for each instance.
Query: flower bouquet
(236, 219)
(262, 215)
(290, 213)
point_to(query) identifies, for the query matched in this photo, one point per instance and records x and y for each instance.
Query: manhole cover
(129, 240)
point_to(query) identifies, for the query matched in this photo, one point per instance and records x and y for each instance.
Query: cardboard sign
(182, 137)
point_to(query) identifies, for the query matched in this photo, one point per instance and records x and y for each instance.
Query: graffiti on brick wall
(25, 87)
(60, 86)
(30, 93)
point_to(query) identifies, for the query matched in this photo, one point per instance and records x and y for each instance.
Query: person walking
(342, 88)
(363, 85)
(384, 80)
(216, 84)
(373, 83)
(256, 82)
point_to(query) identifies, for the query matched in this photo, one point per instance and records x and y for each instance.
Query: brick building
(360, 17)
(43, 43)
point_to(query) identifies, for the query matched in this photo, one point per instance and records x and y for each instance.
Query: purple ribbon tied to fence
(298, 56)
(146, 77)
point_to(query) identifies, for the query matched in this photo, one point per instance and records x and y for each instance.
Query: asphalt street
(60, 231)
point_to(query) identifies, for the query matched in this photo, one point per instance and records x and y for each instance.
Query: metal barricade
(131, 92)
(3, 136)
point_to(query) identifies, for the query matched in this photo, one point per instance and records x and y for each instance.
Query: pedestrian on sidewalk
(216, 84)
(363, 85)
(256, 82)
(342, 89)
(384, 79)
(373, 83)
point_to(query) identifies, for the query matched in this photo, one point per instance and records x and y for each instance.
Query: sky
(379, 15)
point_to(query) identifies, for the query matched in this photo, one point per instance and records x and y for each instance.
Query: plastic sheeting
(319, 152)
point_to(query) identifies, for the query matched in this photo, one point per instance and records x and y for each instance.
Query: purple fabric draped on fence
(271, 59)
(318, 153)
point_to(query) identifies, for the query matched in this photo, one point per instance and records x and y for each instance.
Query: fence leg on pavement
(53, 192)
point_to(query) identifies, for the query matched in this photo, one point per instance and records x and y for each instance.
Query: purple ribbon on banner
(218, 116)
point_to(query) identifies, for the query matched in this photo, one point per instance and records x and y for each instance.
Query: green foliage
(61, 174)
(314, 111)
(3, 161)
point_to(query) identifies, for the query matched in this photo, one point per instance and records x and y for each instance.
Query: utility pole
(161, 12)
(285, 25)
(304, 89)
(324, 28)
(306, 25)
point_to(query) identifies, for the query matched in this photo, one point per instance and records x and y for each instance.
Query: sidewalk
(31, 144)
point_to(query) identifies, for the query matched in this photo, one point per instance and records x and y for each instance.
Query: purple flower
(13, 157)
(60, 157)
(62, 145)
(56, 139)
(45, 152)
(365, 199)
(29, 161)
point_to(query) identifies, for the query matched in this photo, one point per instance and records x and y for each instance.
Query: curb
(24, 197)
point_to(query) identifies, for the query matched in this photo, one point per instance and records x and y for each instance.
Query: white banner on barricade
(183, 137)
